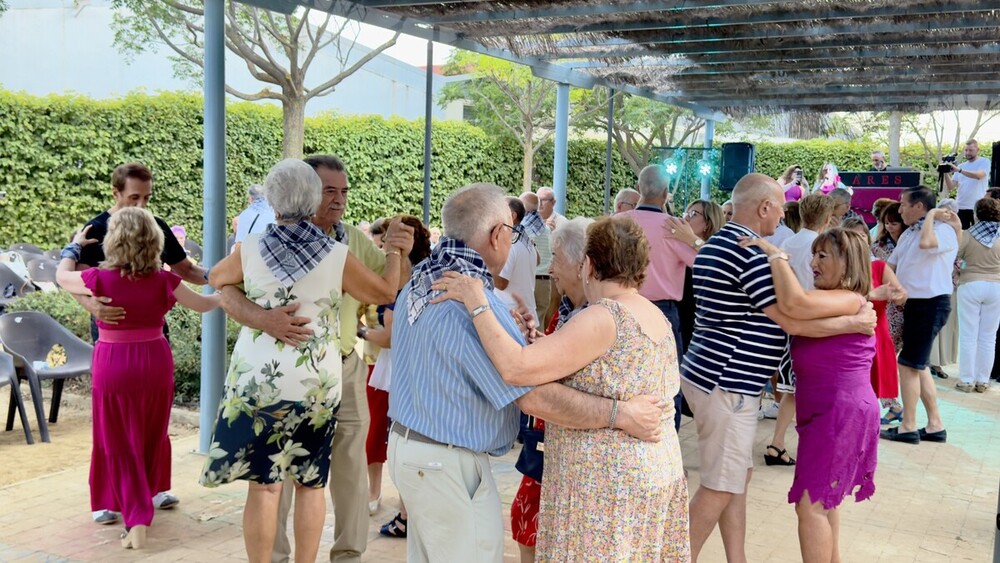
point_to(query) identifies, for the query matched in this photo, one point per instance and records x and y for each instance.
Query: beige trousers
(452, 501)
(348, 473)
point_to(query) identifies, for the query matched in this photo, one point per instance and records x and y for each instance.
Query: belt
(543, 277)
(343, 357)
(113, 336)
(416, 436)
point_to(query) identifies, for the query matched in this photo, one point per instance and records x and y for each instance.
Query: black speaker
(995, 165)
(738, 160)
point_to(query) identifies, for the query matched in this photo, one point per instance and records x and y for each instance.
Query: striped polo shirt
(735, 345)
(444, 385)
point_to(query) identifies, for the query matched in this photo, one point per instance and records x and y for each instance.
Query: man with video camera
(971, 179)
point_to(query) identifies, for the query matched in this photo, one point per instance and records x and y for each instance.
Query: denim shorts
(922, 321)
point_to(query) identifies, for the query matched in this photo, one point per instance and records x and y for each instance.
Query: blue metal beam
(924, 87)
(213, 325)
(560, 164)
(805, 15)
(957, 78)
(410, 3)
(428, 121)
(280, 6)
(878, 37)
(706, 181)
(867, 101)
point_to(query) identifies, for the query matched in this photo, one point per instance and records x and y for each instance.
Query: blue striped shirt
(444, 386)
(735, 345)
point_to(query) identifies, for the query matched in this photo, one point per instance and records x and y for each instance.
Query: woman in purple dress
(133, 368)
(836, 408)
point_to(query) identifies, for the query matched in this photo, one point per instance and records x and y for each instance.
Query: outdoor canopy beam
(713, 23)
(710, 95)
(867, 101)
(704, 81)
(899, 68)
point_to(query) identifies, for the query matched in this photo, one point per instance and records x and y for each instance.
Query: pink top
(793, 192)
(146, 300)
(668, 258)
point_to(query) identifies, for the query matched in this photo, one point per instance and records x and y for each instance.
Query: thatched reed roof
(738, 57)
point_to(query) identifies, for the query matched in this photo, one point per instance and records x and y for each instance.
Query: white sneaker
(165, 500)
(106, 517)
(770, 411)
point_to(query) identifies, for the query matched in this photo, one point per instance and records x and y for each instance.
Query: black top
(93, 254)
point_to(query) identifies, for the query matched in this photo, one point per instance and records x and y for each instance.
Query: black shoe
(895, 435)
(941, 436)
(782, 457)
(938, 372)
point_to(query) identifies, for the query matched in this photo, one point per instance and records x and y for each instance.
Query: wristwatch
(698, 243)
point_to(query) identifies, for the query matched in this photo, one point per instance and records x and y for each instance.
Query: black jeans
(968, 218)
(669, 309)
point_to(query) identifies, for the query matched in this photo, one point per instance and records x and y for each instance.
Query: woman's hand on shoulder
(81, 237)
(760, 243)
(679, 229)
(458, 287)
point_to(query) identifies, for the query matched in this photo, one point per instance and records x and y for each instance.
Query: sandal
(781, 459)
(395, 528)
(892, 416)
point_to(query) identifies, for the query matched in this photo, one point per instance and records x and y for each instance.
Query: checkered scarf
(450, 255)
(292, 251)
(532, 224)
(566, 311)
(986, 232)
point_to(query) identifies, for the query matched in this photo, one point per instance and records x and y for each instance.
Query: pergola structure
(714, 57)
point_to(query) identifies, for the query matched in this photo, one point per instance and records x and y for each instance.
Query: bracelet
(480, 310)
(396, 252)
(778, 256)
(72, 251)
(614, 413)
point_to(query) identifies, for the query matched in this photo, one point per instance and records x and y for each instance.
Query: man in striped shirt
(450, 408)
(739, 338)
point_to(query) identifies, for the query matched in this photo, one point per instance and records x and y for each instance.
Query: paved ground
(935, 502)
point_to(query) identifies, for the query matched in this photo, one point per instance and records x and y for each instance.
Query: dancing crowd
(583, 339)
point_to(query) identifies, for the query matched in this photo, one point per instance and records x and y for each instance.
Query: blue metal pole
(607, 152)
(706, 181)
(428, 109)
(560, 165)
(213, 325)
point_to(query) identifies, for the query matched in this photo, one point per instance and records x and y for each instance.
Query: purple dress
(837, 417)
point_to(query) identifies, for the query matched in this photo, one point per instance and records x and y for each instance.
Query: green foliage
(185, 334)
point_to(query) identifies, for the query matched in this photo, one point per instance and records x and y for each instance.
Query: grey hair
(571, 238)
(255, 192)
(879, 153)
(841, 195)
(293, 190)
(623, 193)
(653, 182)
(470, 212)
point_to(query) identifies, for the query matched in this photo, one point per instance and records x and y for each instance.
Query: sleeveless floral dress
(607, 496)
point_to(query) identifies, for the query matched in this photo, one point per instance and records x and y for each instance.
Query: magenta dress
(837, 418)
(133, 380)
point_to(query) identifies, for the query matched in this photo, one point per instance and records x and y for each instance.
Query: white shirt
(798, 247)
(925, 273)
(543, 244)
(971, 190)
(558, 219)
(254, 219)
(519, 271)
(781, 234)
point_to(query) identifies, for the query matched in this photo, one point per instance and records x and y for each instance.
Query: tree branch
(330, 85)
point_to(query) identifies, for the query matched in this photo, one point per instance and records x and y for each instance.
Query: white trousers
(978, 319)
(454, 513)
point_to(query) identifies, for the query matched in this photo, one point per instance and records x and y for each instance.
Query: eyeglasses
(626, 204)
(515, 234)
(691, 213)
(547, 200)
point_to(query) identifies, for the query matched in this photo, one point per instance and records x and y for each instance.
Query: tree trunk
(293, 117)
(528, 168)
(895, 130)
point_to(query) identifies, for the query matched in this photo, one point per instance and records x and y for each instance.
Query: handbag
(531, 461)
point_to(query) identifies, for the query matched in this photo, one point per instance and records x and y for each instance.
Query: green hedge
(185, 334)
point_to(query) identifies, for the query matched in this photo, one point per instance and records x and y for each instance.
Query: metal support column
(213, 325)
(607, 152)
(706, 181)
(560, 164)
(428, 108)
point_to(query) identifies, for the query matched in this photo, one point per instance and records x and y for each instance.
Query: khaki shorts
(727, 428)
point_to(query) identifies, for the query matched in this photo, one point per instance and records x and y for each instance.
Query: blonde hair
(133, 243)
(852, 248)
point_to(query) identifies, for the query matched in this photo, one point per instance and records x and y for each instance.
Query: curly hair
(421, 237)
(133, 243)
(618, 250)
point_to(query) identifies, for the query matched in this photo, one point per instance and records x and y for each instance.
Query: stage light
(705, 168)
(671, 168)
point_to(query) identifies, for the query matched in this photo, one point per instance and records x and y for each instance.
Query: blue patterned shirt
(444, 386)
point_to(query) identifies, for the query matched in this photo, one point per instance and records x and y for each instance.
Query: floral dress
(606, 495)
(277, 418)
(882, 251)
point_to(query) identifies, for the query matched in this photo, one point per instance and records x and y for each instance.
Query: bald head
(758, 203)
(530, 201)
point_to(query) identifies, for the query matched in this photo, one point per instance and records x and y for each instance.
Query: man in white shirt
(971, 179)
(546, 300)
(923, 261)
(547, 209)
(518, 274)
(256, 217)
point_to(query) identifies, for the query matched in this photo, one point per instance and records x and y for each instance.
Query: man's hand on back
(641, 417)
(105, 313)
(865, 319)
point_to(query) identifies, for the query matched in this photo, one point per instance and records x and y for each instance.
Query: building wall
(67, 46)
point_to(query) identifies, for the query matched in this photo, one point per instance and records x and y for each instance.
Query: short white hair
(471, 212)
(571, 238)
(653, 182)
(622, 193)
(255, 192)
(293, 190)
